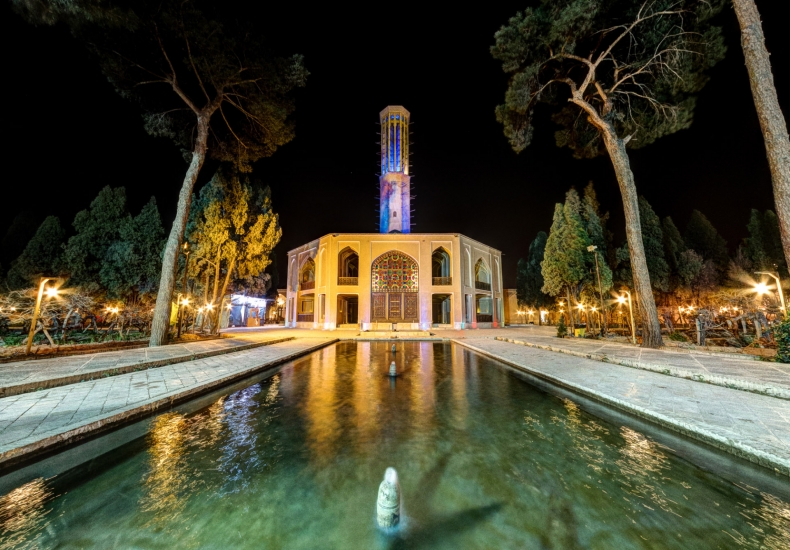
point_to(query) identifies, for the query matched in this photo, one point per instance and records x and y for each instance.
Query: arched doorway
(395, 289)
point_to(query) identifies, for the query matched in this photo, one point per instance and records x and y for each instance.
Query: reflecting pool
(485, 459)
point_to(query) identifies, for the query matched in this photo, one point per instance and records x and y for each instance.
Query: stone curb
(714, 379)
(48, 444)
(16, 389)
(728, 445)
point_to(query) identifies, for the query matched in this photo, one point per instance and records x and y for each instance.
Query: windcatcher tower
(395, 182)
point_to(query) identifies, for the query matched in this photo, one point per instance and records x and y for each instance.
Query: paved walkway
(751, 426)
(23, 376)
(744, 373)
(37, 422)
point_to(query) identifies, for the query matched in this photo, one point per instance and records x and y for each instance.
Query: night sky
(68, 134)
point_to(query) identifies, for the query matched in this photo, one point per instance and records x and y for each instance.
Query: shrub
(562, 330)
(678, 337)
(782, 337)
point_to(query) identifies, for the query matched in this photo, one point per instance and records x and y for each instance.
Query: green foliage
(97, 228)
(181, 60)
(232, 230)
(529, 278)
(661, 63)
(690, 266)
(678, 337)
(562, 329)
(133, 262)
(113, 251)
(564, 263)
(567, 264)
(41, 255)
(653, 239)
(763, 246)
(654, 245)
(702, 237)
(782, 336)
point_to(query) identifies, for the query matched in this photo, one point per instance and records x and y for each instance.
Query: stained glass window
(395, 272)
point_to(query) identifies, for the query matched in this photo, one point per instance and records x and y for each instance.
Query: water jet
(393, 370)
(388, 503)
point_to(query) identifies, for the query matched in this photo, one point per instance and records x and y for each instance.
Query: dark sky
(68, 134)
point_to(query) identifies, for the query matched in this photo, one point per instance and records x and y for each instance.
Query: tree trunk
(651, 337)
(218, 313)
(160, 325)
(772, 121)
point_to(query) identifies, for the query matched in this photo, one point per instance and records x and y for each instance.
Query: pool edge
(738, 449)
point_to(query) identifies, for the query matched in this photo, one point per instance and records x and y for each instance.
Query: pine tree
(581, 56)
(208, 83)
(41, 256)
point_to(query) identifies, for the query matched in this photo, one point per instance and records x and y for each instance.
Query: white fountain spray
(388, 509)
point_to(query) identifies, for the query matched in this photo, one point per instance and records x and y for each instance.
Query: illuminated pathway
(36, 422)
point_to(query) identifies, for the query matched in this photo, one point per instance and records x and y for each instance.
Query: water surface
(485, 461)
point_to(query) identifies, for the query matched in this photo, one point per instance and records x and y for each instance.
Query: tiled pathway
(752, 426)
(41, 420)
(26, 375)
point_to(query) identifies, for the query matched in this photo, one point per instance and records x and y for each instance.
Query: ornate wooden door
(395, 288)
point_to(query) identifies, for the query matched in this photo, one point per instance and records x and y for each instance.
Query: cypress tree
(702, 237)
(41, 256)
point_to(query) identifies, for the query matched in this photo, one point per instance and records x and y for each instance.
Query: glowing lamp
(51, 292)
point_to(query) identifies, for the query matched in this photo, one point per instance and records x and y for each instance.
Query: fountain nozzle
(393, 349)
(388, 504)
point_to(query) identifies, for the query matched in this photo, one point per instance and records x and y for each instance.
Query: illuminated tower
(394, 183)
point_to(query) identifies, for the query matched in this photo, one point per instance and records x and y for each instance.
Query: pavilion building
(394, 279)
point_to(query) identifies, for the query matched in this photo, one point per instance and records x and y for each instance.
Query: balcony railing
(480, 285)
(307, 285)
(483, 318)
(305, 317)
(348, 281)
(442, 281)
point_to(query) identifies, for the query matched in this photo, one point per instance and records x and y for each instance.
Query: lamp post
(630, 311)
(51, 292)
(592, 248)
(779, 286)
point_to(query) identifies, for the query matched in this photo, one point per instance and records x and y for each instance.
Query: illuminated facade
(394, 279)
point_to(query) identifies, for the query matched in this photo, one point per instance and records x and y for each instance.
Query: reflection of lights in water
(240, 447)
(23, 514)
(771, 520)
(643, 466)
(168, 477)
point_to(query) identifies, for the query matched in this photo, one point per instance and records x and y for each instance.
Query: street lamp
(621, 299)
(51, 293)
(592, 248)
(185, 249)
(778, 285)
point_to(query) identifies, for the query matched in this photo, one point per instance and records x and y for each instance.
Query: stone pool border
(16, 389)
(730, 446)
(33, 451)
(669, 370)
